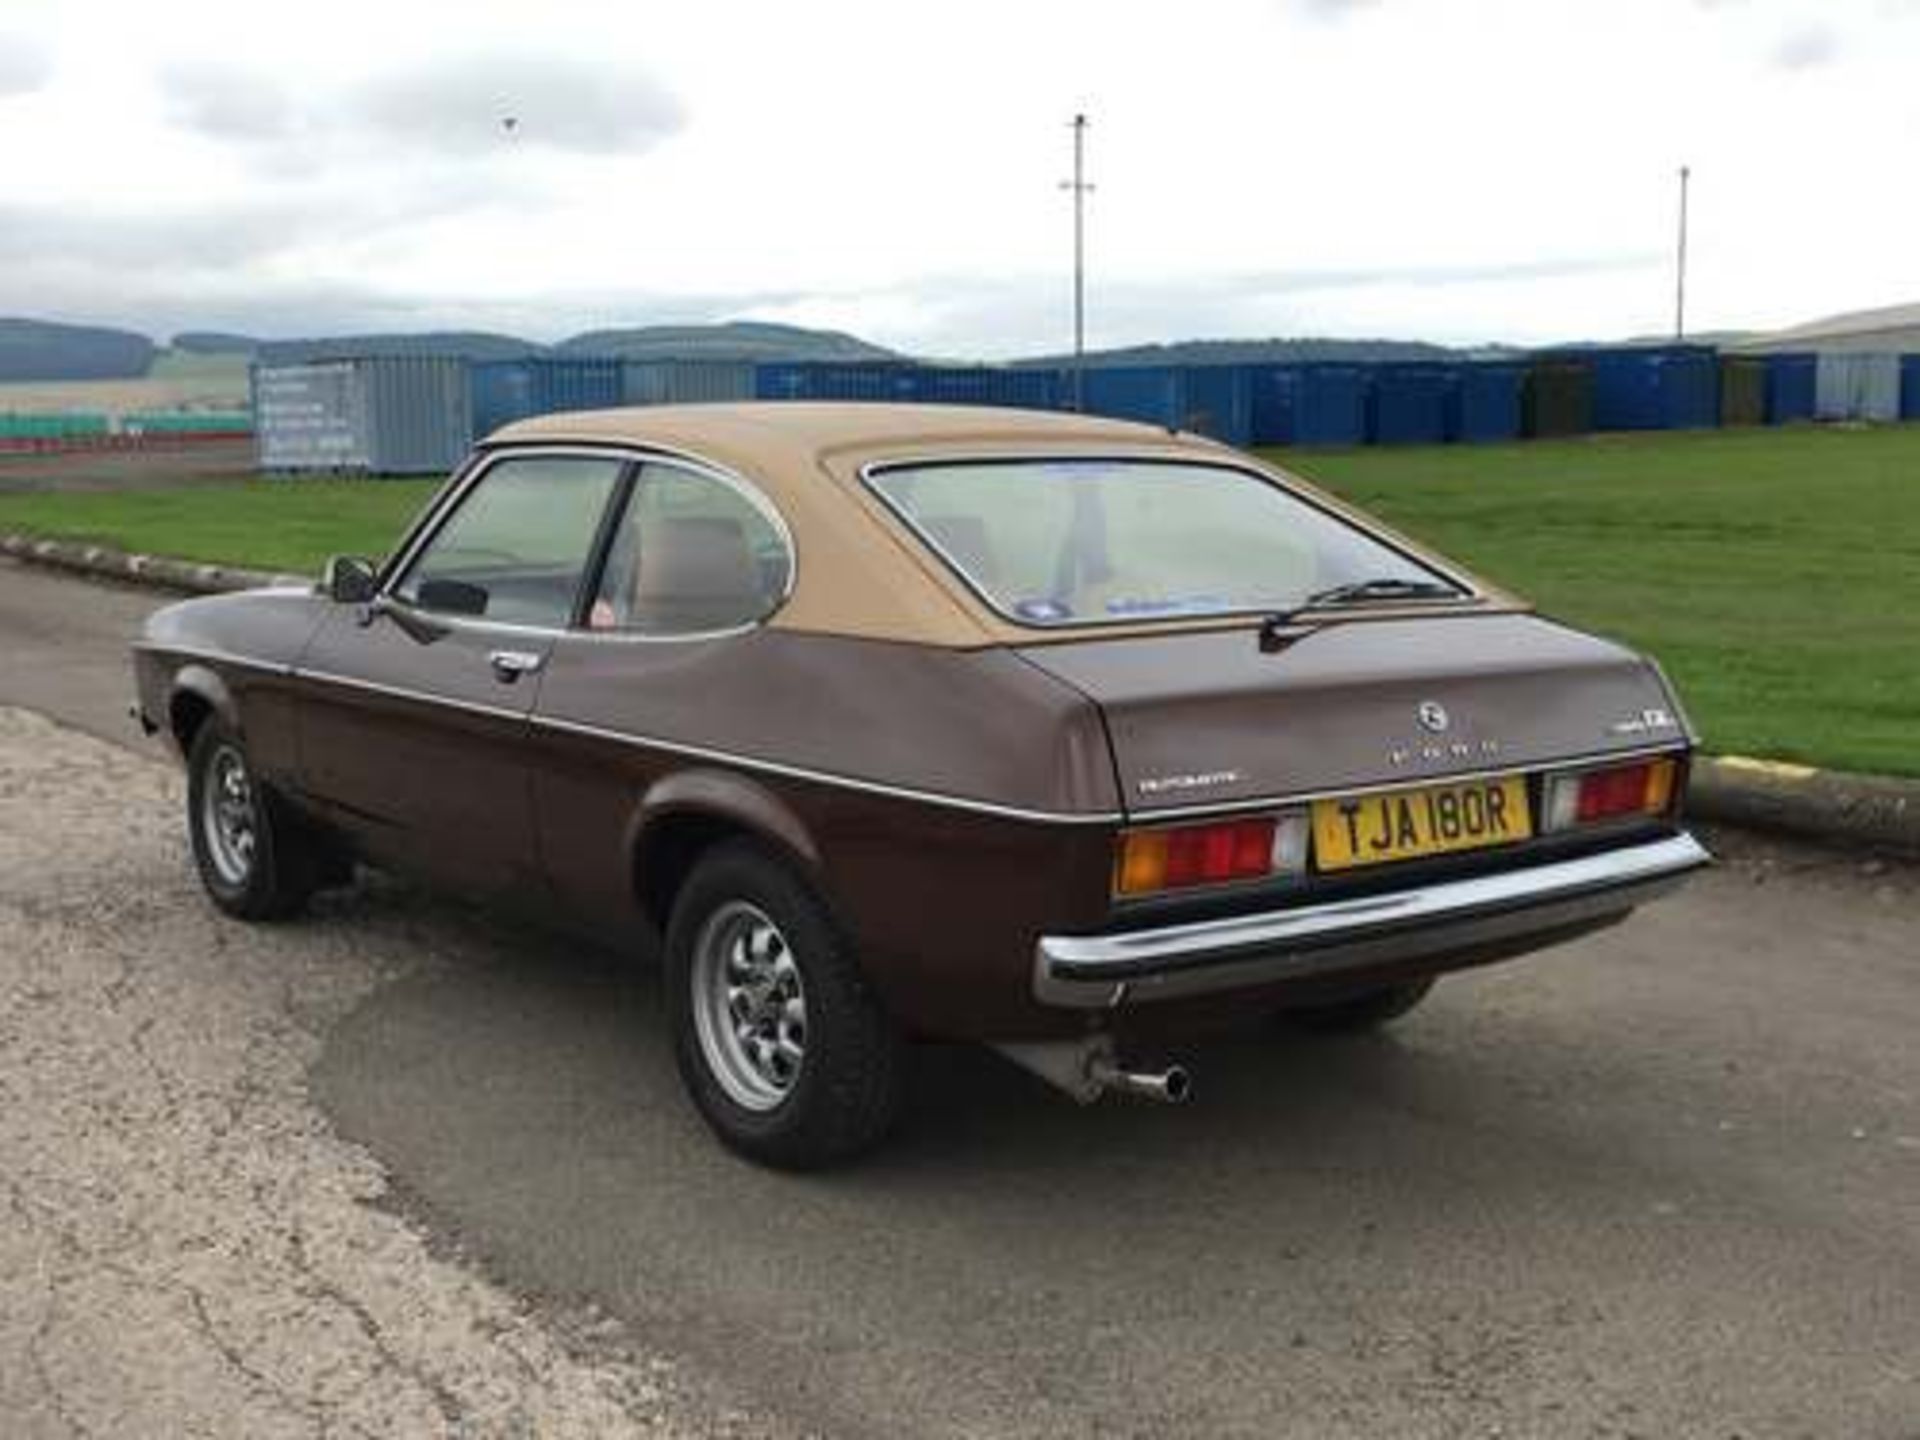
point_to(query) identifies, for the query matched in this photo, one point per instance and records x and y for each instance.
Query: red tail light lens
(1621, 791)
(1179, 857)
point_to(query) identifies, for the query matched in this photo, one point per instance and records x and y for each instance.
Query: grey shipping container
(1858, 387)
(685, 382)
(381, 415)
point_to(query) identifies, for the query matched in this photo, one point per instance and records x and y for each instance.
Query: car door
(664, 652)
(413, 709)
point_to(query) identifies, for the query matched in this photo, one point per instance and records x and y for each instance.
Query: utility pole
(1079, 186)
(1680, 269)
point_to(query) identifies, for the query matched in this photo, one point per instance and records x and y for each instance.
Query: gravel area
(188, 1249)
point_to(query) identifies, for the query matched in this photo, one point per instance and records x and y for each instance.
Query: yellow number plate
(1435, 820)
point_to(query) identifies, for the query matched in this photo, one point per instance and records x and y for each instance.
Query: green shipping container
(1557, 398)
(1743, 390)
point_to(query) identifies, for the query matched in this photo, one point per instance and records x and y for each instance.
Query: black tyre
(1368, 1010)
(781, 1043)
(254, 859)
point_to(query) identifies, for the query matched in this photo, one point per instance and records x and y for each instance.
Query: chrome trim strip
(703, 752)
(486, 457)
(211, 657)
(1144, 815)
(824, 777)
(417, 697)
(1099, 971)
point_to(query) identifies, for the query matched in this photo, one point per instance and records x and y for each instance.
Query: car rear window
(1088, 541)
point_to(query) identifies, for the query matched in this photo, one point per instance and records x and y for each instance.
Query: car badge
(1433, 717)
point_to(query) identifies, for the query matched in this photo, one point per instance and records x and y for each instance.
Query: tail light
(1619, 792)
(1222, 852)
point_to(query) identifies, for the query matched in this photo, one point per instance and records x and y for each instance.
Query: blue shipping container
(502, 393)
(1034, 389)
(1910, 387)
(509, 390)
(1486, 402)
(1792, 387)
(1669, 387)
(1219, 403)
(1407, 404)
(1151, 393)
(685, 382)
(835, 380)
(1309, 404)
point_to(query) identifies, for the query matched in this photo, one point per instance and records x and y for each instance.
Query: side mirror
(349, 580)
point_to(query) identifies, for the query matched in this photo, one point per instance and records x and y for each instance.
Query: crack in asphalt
(189, 1248)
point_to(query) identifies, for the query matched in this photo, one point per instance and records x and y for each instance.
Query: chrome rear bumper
(1454, 917)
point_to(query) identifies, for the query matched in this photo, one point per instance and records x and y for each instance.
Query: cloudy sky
(1453, 170)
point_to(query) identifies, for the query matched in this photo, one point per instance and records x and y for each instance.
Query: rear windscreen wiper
(1354, 592)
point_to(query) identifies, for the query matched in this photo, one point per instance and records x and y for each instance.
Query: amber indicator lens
(1645, 788)
(1177, 857)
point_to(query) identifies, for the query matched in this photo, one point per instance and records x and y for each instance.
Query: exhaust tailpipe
(1088, 1069)
(1171, 1086)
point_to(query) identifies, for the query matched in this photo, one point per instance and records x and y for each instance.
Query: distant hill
(453, 344)
(1889, 328)
(214, 342)
(735, 340)
(45, 350)
(1256, 352)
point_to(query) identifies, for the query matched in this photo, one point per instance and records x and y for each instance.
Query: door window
(692, 554)
(516, 548)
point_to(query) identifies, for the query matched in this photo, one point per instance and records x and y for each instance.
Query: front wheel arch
(198, 694)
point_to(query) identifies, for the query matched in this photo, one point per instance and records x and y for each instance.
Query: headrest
(695, 558)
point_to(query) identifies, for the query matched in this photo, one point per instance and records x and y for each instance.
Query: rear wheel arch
(686, 815)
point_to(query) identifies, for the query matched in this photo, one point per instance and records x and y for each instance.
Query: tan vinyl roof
(785, 431)
(860, 571)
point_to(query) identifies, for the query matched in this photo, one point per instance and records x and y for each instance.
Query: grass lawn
(289, 525)
(1774, 573)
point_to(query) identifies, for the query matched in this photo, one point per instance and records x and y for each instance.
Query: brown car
(907, 722)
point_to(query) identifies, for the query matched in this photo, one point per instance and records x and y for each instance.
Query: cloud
(25, 66)
(1335, 9)
(463, 105)
(1806, 48)
(459, 106)
(225, 102)
(962, 316)
(230, 236)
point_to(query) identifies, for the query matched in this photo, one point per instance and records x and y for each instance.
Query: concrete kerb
(160, 572)
(1861, 811)
(1872, 812)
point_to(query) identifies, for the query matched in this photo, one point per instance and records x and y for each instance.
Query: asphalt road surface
(1662, 1182)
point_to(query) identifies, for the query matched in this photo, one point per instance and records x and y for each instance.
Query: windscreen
(1082, 542)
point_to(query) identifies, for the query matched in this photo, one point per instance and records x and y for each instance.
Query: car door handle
(510, 665)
